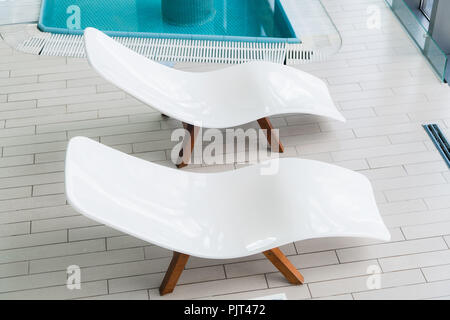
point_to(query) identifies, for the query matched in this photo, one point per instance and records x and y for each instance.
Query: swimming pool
(234, 20)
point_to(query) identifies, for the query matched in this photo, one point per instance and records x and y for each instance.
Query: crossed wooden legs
(189, 141)
(272, 139)
(275, 256)
(283, 265)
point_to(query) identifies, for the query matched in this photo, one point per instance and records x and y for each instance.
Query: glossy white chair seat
(219, 215)
(218, 99)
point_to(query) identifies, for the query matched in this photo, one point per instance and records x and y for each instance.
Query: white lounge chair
(220, 215)
(219, 99)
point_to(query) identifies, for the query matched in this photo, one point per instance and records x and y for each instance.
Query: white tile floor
(19, 11)
(379, 80)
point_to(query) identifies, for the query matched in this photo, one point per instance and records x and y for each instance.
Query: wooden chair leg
(282, 263)
(264, 123)
(173, 273)
(188, 145)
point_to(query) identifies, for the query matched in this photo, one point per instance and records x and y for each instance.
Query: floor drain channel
(439, 140)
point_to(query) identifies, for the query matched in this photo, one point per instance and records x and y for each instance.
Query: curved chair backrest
(219, 99)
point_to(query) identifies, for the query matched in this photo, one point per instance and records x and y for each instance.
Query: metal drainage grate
(439, 140)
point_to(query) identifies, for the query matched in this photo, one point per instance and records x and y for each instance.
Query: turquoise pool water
(242, 20)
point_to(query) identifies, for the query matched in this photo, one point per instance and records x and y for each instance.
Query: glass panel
(421, 37)
(427, 7)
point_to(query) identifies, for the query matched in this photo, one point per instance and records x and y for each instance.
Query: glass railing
(420, 35)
